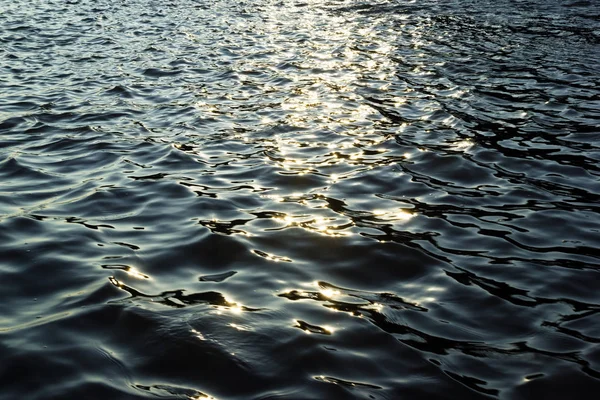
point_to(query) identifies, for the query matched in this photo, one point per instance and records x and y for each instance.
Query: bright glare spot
(287, 219)
(115, 281)
(199, 335)
(329, 329)
(328, 292)
(462, 145)
(435, 289)
(134, 273)
(398, 214)
(239, 327)
(458, 93)
(398, 101)
(236, 309)
(404, 215)
(202, 397)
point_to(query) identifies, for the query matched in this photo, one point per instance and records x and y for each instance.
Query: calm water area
(303, 199)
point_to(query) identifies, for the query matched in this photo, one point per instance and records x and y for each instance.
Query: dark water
(299, 199)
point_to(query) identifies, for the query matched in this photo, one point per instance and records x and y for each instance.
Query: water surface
(301, 199)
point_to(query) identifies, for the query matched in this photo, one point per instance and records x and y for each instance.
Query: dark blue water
(299, 199)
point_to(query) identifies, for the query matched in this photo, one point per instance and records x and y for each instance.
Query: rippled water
(301, 199)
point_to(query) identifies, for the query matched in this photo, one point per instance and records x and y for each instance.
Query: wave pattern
(306, 199)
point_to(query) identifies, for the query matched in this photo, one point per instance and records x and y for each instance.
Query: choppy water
(299, 199)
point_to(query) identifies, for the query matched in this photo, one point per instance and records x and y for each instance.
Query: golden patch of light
(134, 273)
(301, 293)
(398, 101)
(203, 397)
(236, 309)
(459, 93)
(239, 327)
(450, 122)
(347, 145)
(422, 72)
(462, 145)
(206, 107)
(271, 257)
(417, 44)
(327, 292)
(366, 32)
(309, 99)
(371, 64)
(199, 335)
(435, 289)
(422, 294)
(231, 306)
(362, 112)
(115, 282)
(329, 329)
(396, 215)
(349, 54)
(274, 197)
(319, 225)
(334, 232)
(320, 220)
(291, 164)
(266, 120)
(385, 48)
(288, 220)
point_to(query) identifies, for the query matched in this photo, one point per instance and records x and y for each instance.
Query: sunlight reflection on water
(386, 188)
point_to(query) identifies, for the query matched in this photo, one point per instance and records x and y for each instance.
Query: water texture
(299, 199)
